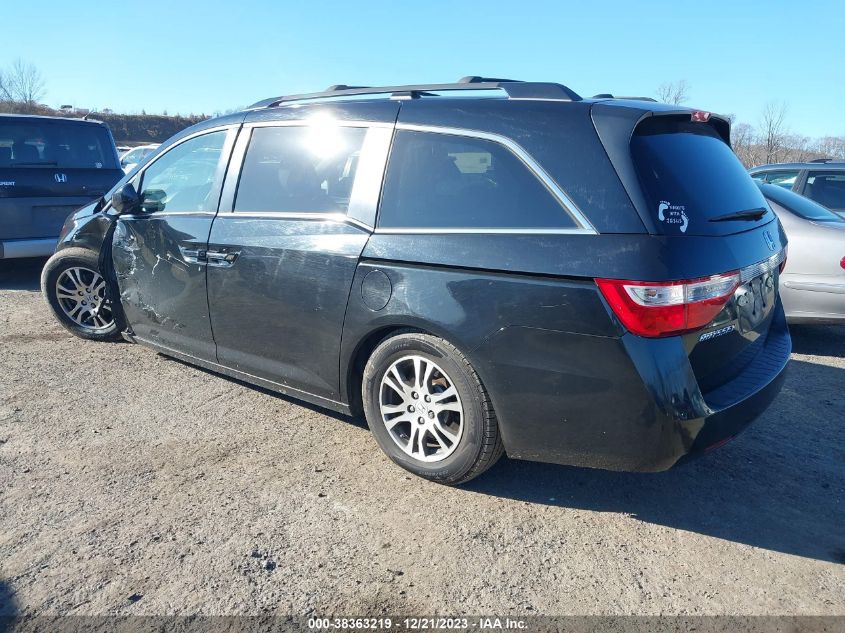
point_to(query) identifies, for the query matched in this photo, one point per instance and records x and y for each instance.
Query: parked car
(130, 159)
(122, 149)
(580, 281)
(821, 180)
(813, 282)
(49, 166)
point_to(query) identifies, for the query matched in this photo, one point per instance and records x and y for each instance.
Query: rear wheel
(428, 409)
(76, 293)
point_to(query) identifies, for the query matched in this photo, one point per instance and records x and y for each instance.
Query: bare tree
(743, 141)
(773, 130)
(22, 83)
(5, 94)
(674, 92)
(830, 147)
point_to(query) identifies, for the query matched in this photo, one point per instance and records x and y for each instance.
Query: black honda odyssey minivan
(509, 268)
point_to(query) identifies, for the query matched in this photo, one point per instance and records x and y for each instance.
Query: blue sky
(185, 56)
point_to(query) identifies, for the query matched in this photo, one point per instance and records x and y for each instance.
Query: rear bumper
(629, 404)
(42, 247)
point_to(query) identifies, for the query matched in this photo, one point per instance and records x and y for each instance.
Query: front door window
(186, 178)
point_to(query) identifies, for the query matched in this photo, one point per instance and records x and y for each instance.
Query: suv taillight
(667, 308)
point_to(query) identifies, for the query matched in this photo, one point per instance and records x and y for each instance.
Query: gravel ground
(135, 484)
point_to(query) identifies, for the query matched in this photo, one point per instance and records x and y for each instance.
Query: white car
(135, 156)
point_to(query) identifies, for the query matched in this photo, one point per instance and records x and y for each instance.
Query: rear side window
(445, 181)
(300, 169)
(692, 179)
(32, 143)
(827, 188)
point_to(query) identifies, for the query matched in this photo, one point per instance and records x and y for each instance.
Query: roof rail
(607, 95)
(825, 160)
(513, 88)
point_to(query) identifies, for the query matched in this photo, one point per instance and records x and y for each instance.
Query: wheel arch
(352, 369)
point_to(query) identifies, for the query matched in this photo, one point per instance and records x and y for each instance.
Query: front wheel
(428, 410)
(76, 293)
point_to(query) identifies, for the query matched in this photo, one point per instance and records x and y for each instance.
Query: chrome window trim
(315, 120)
(167, 214)
(481, 231)
(584, 225)
(295, 215)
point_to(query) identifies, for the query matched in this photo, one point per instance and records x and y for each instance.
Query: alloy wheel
(81, 294)
(421, 409)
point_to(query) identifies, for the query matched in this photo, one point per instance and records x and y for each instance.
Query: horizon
(227, 60)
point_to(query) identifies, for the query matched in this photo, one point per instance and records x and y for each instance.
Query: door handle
(221, 259)
(192, 255)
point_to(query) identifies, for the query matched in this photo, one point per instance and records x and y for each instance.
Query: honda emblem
(770, 241)
(60, 177)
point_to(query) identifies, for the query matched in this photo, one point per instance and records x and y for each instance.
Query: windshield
(693, 181)
(48, 143)
(799, 205)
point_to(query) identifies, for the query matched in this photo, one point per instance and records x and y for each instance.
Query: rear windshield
(799, 205)
(692, 179)
(33, 143)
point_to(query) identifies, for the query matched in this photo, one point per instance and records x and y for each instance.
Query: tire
(447, 438)
(74, 289)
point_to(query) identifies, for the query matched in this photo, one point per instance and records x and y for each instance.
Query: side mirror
(126, 200)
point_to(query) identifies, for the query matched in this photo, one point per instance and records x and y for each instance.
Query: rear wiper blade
(748, 214)
(51, 163)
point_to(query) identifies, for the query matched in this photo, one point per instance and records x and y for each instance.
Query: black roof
(41, 117)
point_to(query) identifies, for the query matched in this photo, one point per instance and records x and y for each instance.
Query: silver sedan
(812, 285)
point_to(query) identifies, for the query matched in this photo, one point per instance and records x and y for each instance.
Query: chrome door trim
(584, 225)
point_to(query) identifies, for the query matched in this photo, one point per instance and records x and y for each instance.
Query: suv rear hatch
(694, 195)
(48, 168)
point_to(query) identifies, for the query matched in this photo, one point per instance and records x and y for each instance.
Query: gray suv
(821, 180)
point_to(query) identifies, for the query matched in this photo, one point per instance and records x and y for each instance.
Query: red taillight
(842, 262)
(667, 308)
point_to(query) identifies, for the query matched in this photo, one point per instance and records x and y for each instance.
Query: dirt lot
(130, 483)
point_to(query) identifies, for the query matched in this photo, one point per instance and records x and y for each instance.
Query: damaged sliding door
(159, 254)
